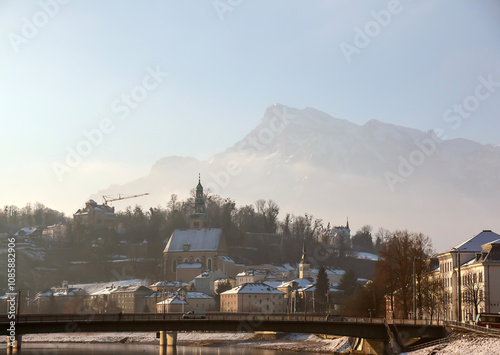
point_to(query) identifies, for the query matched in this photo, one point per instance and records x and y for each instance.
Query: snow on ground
(300, 342)
(366, 256)
(468, 344)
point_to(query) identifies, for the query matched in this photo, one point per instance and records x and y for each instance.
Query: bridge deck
(227, 322)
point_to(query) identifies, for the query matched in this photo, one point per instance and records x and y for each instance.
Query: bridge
(375, 330)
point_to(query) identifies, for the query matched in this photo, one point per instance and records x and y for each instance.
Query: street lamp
(305, 304)
(182, 293)
(459, 284)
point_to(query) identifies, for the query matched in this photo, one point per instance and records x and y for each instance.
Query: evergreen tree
(348, 283)
(320, 295)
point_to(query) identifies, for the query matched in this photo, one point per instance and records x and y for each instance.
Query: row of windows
(472, 278)
(467, 279)
(190, 260)
(447, 267)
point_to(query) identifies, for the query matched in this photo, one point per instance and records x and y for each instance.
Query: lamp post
(459, 284)
(305, 304)
(414, 292)
(182, 294)
(459, 289)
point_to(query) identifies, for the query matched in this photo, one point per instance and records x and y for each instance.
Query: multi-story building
(250, 276)
(95, 215)
(127, 299)
(190, 301)
(64, 299)
(253, 297)
(131, 299)
(470, 274)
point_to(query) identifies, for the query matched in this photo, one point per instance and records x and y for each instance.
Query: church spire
(304, 266)
(304, 255)
(347, 225)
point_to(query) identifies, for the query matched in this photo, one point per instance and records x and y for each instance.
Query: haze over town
(178, 79)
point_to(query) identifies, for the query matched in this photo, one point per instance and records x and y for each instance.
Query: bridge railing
(295, 317)
(473, 327)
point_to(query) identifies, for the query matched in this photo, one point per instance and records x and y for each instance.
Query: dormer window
(186, 247)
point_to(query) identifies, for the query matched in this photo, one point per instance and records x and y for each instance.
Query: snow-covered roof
(365, 256)
(133, 288)
(274, 284)
(170, 283)
(69, 292)
(329, 271)
(193, 295)
(253, 287)
(25, 231)
(226, 259)
(475, 243)
(194, 240)
(303, 283)
(174, 300)
(284, 268)
(252, 273)
(189, 266)
(99, 286)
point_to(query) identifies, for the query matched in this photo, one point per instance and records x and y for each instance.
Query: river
(108, 349)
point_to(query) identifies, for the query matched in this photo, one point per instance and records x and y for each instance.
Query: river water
(108, 349)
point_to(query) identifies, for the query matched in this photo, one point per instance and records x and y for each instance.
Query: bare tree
(403, 253)
(473, 297)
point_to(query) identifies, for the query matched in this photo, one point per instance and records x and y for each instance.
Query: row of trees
(404, 280)
(13, 218)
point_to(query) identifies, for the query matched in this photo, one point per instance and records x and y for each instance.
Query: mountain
(378, 174)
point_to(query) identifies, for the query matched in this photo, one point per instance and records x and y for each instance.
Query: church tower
(198, 219)
(304, 266)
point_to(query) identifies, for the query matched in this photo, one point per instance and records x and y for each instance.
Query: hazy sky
(191, 78)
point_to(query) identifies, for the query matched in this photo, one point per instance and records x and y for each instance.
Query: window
(174, 265)
(480, 277)
(209, 264)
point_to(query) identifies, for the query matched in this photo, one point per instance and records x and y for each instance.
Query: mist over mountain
(378, 174)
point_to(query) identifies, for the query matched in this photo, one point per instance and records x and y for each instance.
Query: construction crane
(111, 198)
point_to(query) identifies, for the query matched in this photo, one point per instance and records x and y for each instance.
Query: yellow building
(253, 297)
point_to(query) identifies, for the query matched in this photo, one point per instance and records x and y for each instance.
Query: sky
(93, 93)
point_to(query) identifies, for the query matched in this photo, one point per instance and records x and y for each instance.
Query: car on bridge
(194, 315)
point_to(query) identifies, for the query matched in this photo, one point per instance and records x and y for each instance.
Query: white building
(470, 273)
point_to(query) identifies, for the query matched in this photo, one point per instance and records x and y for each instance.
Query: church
(190, 252)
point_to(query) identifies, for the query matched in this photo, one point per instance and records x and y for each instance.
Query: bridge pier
(372, 347)
(14, 344)
(168, 339)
